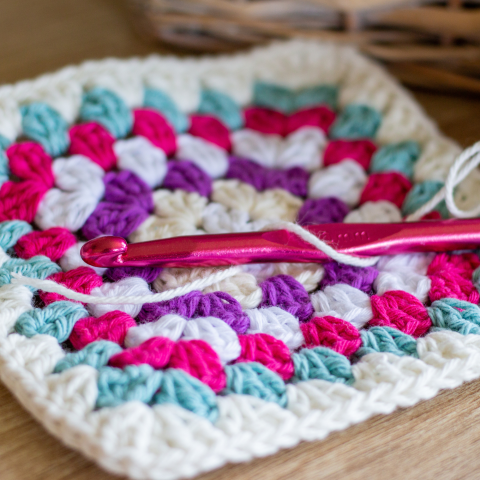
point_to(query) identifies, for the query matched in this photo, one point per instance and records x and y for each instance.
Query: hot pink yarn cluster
(401, 310)
(211, 129)
(111, 326)
(332, 332)
(155, 351)
(81, 279)
(95, 142)
(195, 357)
(267, 350)
(391, 186)
(152, 125)
(51, 243)
(359, 150)
(29, 161)
(273, 122)
(20, 200)
(451, 277)
(321, 117)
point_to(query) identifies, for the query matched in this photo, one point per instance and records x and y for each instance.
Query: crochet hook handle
(284, 246)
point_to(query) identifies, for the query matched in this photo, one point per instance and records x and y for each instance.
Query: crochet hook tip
(103, 251)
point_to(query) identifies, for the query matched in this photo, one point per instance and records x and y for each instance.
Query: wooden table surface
(437, 439)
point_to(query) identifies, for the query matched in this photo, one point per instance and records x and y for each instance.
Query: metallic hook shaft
(284, 246)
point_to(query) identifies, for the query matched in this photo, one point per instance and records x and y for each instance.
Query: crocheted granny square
(247, 363)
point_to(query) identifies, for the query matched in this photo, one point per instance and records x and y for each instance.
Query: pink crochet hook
(363, 240)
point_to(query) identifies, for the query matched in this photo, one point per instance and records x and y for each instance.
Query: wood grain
(437, 439)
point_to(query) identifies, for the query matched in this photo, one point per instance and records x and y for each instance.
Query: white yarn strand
(463, 165)
(50, 286)
(323, 246)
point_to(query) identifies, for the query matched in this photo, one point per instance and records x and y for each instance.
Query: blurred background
(426, 40)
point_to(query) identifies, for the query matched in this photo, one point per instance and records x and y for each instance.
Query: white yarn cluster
(406, 272)
(143, 442)
(344, 180)
(272, 204)
(176, 213)
(243, 287)
(382, 211)
(79, 188)
(278, 323)
(343, 301)
(308, 274)
(170, 326)
(302, 148)
(140, 156)
(14, 300)
(3, 256)
(205, 155)
(221, 337)
(72, 259)
(127, 287)
(217, 218)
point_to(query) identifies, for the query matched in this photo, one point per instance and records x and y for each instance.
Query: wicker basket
(437, 43)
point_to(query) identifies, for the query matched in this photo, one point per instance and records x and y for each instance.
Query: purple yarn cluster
(358, 277)
(114, 219)
(294, 180)
(187, 176)
(126, 188)
(196, 304)
(149, 274)
(287, 293)
(322, 210)
(127, 203)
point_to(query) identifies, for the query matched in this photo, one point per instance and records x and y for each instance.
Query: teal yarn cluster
(321, 363)
(317, 95)
(476, 277)
(95, 354)
(180, 388)
(252, 378)
(276, 97)
(42, 123)
(56, 319)
(4, 170)
(134, 382)
(387, 339)
(399, 157)
(36, 267)
(160, 101)
(4, 142)
(356, 121)
(107, 108)
(273, 96)
(457, 315)
(420, 194)
(221, 106)
(11, 231)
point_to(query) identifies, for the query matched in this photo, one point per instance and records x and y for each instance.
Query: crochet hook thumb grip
(284, 246)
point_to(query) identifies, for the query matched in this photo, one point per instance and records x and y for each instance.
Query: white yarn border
(167, 442)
